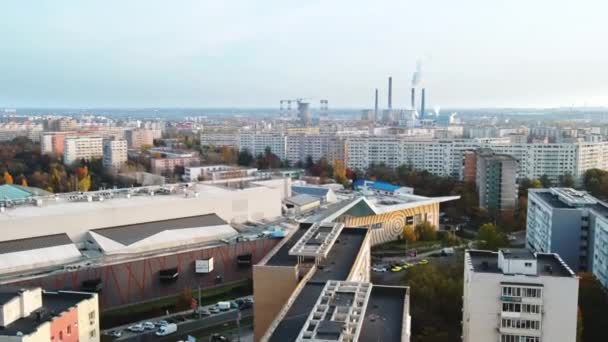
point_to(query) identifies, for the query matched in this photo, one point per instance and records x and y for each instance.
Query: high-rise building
(136, 138)
(496, 179)
(84, 147)
(114, 153)
(518, 296)
(571, 223)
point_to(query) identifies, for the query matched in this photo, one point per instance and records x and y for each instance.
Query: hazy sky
(200, 53)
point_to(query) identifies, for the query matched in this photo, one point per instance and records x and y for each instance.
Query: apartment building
(136, 138)
(114, 153)
(167, 165)
(571, 223)
(496, 179)
(317, 146)
(83, 147)
(257, 143)
(31, 314)
(220, 139)
(445, 157)
(518, 296)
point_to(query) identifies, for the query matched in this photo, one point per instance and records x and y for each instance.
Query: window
(68, 330)
(61, 336)
(528, 264)
(92, 316)
(92, 333)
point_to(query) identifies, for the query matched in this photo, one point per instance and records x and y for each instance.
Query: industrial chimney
(413, 98)
(390, 93)
(376, 106)
(422, 106)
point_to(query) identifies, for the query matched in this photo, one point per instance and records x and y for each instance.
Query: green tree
(545, 181)
(566, 180)
(425, 231)
(490, 238)
(245, 158)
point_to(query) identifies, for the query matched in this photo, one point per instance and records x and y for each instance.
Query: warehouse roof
(132, 233)
(12, 246)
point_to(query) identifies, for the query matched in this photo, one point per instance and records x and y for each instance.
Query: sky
(243, 53)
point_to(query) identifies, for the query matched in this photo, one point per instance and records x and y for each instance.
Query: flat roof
(282, 257)
(27, 244)
(552, 200)
(384, 314)
(53, 304)
(547, 264)
(336, 266)
(132, 233)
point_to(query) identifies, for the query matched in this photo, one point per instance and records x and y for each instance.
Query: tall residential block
(518, 296)
(496, 179)
(114, 153)
(84, 147)
(573, 224)
(136, 138)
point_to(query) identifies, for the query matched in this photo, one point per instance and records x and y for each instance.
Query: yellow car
(423, 262)
(407, 265)
(396, 269)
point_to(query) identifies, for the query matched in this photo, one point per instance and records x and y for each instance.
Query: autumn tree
(425, 231)
(84, 178)
(8, 179)
(23, 181)
(339, 172)
(409, 234)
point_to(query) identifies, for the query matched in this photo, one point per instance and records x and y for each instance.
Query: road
(188, 327)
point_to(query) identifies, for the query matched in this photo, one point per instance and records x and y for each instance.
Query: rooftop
(310, 190)
(53, 305)
(132, 233)
(282, 257)
(27, 244)
(384, 314)
(302, 199)
(547, 264)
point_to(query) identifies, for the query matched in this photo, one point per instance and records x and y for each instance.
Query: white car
(136, 328)
(148, 326)
(379, 269)
(116, 333)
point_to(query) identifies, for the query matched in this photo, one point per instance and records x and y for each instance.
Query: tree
(409, 234)
(536, 184)
(23, 181)
(425, 231)
(8, 179)
(339, 172)
(592, 301)
(84, 179)
(545, 181)
(245, 158)
(566, 180)
(490, 238)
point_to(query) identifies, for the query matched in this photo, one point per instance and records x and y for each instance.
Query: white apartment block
(300, 146)
(220, 139)
(76, 148)
(518, 296)
(444, 157)
(114, 153)
(257, 143)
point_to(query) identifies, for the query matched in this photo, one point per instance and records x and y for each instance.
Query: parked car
(378, 269)
(167, 329)
(224, 306)
(397, 269)
(245, 305)
(423, 262)
(161, 323)
(234, 305)
(148, 325)
(214, 310)
(136, 328)
(116, 333)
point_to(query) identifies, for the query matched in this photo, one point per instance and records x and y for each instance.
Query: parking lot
(186, 322)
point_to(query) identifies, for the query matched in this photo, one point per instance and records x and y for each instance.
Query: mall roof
(310, 190)
(20, 245)
(132, 233)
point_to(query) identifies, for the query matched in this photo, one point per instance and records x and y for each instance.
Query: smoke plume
(417, 76)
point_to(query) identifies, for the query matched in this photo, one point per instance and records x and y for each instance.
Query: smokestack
(413, 98)
(422, 106)
(390, 93)
(376, 106)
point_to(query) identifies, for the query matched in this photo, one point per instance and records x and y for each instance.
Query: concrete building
(83, 147)
(161, 166)
(324, 194)
(113, 241)
(517, 295)
(114, 153)
(31, 315)
(257, 143)
(216, 172)
(138, 137)
(220, 139)
(317, 146)
(573, 224)
(321, 267)
(496, 179)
